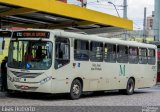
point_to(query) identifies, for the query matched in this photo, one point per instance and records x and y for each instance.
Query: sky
(135, 9)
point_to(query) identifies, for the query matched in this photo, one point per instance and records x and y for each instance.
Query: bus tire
(76, 89)
(130, 87)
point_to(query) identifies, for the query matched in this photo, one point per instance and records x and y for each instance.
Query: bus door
(62, 72)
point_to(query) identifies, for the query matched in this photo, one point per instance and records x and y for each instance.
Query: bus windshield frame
(30, 54)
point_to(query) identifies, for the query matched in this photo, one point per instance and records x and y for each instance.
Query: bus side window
(122, 54)
(142, 55)
(96, 51)
(151, 56)
(110, 53)
(62, 52)
(133, 55)
(81, 50)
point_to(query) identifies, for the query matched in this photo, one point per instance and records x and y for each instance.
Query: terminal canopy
(53, 14)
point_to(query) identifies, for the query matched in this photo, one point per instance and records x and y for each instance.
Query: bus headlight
(45, 80)
(10, 78)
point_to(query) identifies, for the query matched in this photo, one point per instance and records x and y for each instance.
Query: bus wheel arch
(76, 88)
(80, 79)
(133, 79)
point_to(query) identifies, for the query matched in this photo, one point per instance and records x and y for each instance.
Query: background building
(150, 21)
(157, 20)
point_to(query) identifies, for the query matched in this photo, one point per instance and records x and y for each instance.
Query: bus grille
(29, 88)
(26, 75)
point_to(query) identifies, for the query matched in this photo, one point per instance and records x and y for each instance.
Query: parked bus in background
(76, 63)
(157, 43)
(158, 63)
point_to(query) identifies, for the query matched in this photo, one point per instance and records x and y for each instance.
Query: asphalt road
(141, 97)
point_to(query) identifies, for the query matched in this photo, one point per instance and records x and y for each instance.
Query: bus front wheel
(76, 89)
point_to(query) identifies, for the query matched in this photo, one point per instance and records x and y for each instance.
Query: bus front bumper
(30, 87)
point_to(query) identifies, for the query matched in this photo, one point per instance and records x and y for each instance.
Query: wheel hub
(76, 89)
(130, 87)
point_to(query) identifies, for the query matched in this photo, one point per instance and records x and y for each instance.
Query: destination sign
(31, 34)
(5, 33)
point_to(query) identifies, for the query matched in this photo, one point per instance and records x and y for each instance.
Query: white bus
(55, 61)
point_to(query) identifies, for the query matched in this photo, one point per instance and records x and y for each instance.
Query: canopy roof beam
(71, 11)
(16, 11)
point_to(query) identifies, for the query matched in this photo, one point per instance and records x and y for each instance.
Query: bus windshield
(30, 54)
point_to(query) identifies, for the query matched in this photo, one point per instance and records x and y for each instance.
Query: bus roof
(96, 38)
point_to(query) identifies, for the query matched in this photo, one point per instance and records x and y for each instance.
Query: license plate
(24, 87)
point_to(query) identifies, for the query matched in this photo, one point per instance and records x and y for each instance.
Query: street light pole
(115, 8)
(124, 14)
(125, 9)
(144, 25)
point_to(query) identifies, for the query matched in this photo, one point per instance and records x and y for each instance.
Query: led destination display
(31, 34)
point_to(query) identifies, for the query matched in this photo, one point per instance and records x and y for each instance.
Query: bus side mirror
(3, 44)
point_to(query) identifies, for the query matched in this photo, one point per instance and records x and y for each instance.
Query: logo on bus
(122, 70)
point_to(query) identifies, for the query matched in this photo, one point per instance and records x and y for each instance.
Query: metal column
(0, 23)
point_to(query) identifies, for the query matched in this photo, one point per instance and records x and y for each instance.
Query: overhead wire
(104, 6)
(99, 1)
(100, 4)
